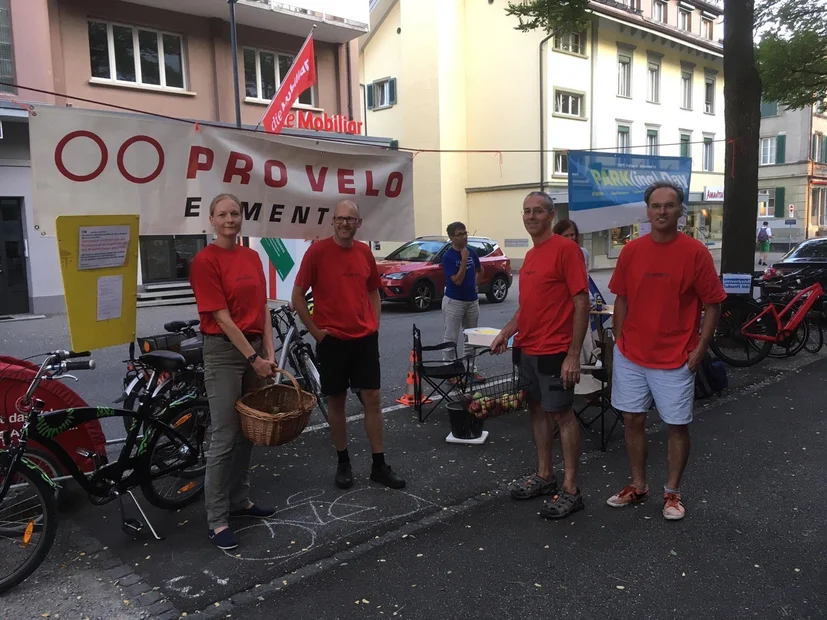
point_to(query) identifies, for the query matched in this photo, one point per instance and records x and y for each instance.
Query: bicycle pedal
(132, 526)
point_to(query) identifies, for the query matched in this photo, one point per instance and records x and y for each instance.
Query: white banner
(89, 162)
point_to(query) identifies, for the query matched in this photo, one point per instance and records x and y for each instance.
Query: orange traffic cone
(408, 398)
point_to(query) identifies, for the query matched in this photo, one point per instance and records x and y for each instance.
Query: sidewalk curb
(259, 592)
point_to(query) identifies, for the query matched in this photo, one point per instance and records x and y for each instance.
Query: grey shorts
(544, 383)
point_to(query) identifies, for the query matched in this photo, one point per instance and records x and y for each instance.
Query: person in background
(230, 292)
(764, 238)
(460, 305)
(345, 325)
(550, 324)
(569, 230)
(662, 281)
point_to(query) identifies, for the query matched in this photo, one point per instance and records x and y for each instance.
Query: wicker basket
(274, 429)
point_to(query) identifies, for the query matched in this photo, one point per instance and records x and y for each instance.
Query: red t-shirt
(552, 274)
(341, 279)
(666, 286)
(231, 279)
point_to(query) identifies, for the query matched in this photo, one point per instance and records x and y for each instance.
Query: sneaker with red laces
(629, 494)
(673, 509)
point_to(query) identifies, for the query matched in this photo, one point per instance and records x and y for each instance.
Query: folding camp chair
(436, 373)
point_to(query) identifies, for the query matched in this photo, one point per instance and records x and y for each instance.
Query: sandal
(533, 486)
(562, 505)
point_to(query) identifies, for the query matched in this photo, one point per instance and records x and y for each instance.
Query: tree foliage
(792, 53)
(550, 15)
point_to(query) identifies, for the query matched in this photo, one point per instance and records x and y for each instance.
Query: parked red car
(413, 273)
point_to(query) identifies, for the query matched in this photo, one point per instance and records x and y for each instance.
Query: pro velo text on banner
(606, 189)
(87, 162)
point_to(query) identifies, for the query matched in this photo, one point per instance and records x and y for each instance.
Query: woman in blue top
(460, 306)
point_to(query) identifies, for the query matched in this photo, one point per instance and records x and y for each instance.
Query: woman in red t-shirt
(230, 291)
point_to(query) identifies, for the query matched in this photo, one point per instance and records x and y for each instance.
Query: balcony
(337, 21)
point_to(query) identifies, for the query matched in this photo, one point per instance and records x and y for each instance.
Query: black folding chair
(602, 399)
(436, 373)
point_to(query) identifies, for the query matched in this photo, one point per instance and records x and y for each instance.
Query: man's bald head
(346, 221)
(346, 208)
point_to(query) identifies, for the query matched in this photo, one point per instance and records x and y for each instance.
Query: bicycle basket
(498, 395)
(275, 414)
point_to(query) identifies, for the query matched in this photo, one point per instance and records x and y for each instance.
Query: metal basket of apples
(497, 396)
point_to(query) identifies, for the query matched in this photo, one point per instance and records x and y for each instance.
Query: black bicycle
(163, 454)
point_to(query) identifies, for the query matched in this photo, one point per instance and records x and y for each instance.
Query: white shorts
(635, 388)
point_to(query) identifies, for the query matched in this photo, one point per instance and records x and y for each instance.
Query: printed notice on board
(110, 297)
(103, 246)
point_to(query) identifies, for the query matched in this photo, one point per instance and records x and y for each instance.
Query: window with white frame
(686, 90)
(561, 162)
(819, 148)
(707, 29)
(653, 90)
(709, 154)
(685, 20)
(568, 104)
(709, 95)
(624, 75)
(686, 145)
(263, 72)
(659, 11)
(623, 141)
(766, 202)
(381, 94)
(818, 207)
(136, 55)
(768, 151)
(574, 42)
(652, 142)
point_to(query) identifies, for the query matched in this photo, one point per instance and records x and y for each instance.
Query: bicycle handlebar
(54, 365)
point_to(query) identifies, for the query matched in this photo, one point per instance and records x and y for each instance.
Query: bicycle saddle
(163, 360)
(176, 326)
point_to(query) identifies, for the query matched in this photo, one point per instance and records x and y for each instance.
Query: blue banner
(606, 189)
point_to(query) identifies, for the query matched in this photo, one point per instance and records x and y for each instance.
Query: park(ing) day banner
(89, 162)
(606, 189)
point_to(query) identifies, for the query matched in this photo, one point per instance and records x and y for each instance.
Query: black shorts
(347, 364)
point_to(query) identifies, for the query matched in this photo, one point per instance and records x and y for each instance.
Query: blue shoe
(225, 539)
(254, 511)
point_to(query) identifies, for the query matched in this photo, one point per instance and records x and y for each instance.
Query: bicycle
(171, 446)
(758, 328)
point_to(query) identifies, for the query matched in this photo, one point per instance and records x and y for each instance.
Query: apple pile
(485, 406)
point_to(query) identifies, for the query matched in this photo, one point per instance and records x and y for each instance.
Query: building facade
(792, 177)
(172, 57)
(646, 76)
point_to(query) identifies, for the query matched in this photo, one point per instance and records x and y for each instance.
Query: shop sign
(713, 194)
(336, 123)
(737, 283)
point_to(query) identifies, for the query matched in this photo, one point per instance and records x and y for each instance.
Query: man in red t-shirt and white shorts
(550, 324)
(662, 282)
(345, 324)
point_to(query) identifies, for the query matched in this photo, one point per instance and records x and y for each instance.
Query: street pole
(234, 44)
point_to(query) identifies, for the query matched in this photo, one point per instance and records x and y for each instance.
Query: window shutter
(780, 148)
(815, 147)
(369, 96)
(392, 91)
(780, 203)
(823, 151)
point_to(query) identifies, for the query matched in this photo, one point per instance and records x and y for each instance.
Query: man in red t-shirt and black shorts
(550, 324)
(345, 324)
(662, 282)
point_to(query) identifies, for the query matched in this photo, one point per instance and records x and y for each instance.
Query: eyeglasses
(538, 211)
(461, 234)
(341, 220)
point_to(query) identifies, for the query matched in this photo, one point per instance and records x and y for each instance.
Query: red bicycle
(753, 329)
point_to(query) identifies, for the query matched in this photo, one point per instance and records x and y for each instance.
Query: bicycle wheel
(729, 343)
(173, 476)
(310, 371)
(790, 343)
(816, 338)
(28, 524)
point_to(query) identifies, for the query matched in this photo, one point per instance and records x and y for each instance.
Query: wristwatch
(252, 358)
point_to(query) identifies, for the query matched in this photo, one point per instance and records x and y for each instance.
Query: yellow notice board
(99, 265)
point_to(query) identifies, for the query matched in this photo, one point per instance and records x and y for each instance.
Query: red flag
(302, 75)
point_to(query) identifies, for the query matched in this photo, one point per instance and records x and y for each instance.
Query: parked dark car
(413, 273)
(809, 253)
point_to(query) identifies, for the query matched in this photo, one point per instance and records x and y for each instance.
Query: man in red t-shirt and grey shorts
(550, 324)
(662, 282)
(345, 324)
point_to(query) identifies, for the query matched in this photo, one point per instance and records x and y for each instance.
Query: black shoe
(224, 540)
(259, 512)
(383, 474)
(344, 476)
